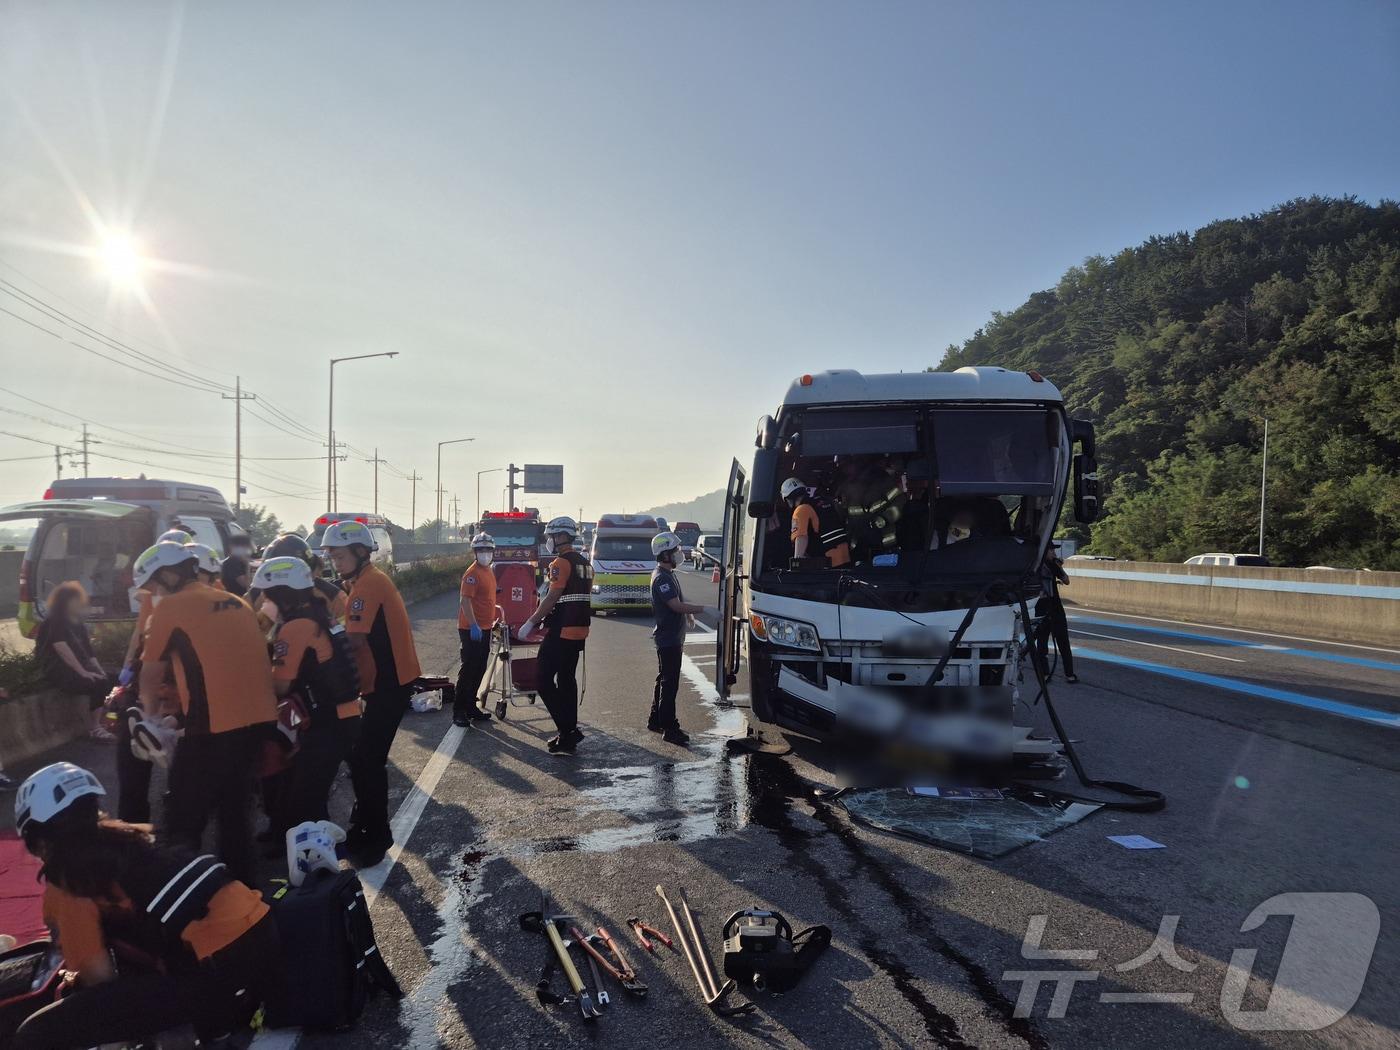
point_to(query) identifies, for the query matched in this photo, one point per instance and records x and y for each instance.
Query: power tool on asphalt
(760, 949)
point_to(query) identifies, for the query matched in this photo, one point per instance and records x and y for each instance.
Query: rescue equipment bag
(330, 959)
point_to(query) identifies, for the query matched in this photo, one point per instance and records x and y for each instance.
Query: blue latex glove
(125, 677)
(476, 632)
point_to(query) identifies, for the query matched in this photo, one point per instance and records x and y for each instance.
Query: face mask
(484, 558)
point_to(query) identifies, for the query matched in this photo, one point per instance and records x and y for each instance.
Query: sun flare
(119, 255)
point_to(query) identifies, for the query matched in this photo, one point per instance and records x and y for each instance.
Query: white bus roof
(981, 383)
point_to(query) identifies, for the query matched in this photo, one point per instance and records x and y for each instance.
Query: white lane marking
(1154, 645)
(410, 811)
(1237, 630)
(699, 680)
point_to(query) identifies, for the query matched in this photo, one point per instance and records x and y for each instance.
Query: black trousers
(668, 683)
(370, 759)
(322, 749)
(558, 669)
(1053, 608)
(133, 780)
(219, 996)
(213, 775)
(68, 680)
(475, 657)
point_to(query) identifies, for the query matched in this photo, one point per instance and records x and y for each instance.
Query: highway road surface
(1280, 758)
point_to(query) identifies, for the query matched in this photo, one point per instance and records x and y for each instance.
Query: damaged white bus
(946, 489)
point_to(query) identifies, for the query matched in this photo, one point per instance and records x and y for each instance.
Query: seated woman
(214, 937)
(64, 648)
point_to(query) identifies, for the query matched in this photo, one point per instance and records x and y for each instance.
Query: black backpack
(331, 964)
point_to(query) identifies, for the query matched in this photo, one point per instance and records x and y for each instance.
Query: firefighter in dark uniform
(213, 935)
(564, 613)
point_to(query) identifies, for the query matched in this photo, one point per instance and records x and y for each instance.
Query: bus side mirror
(764, 482)
(1082, 431)
(767, 435)
(1086, 488)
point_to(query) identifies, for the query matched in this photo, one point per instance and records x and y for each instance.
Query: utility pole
(238, 397)
(376, 461)
(58, 460)
(85, 441)
(456, 519)
(413, 480)
(1263, 483)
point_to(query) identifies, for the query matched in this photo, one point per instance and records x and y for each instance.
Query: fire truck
(519, 534)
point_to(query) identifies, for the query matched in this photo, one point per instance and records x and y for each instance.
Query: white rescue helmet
(207, 560)
(286, 571)
(663, 542)
(482, 541)
(564, 524)
(164, 555)
(349, 533)
(179, 536)
(51, 790)
(792, 486)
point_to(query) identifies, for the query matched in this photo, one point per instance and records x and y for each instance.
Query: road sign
(544, 477)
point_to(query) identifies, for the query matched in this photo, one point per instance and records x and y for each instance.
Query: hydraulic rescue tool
(710, 990)
(761, 949)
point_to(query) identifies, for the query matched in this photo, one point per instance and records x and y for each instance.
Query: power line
(55, 314)
(104, 357)
(90, 313)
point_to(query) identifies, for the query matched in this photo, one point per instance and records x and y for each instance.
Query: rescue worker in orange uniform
(476, 619)
(289, 544)
(210, 641)
(213, 935)
(312, 659)
(382, 637)
(811, 537)
(565, 613)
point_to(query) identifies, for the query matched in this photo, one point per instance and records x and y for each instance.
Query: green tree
(1180, 348)
(259, 523)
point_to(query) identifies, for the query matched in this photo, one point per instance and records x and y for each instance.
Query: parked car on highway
(1241, 561)
(378, 527)
(92, 529)
(707, 550)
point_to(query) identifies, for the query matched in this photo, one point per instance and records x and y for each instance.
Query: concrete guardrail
(1345, 605)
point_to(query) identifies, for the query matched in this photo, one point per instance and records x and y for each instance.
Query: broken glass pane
(982, 827)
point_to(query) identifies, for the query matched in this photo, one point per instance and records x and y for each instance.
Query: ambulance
(622, 561)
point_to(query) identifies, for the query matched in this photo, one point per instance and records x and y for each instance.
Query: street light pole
(493, 470)
(450, 441)
(330, 423)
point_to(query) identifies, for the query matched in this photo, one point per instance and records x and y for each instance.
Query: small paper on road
(1136, 842)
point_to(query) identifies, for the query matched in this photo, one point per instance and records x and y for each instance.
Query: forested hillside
(1180, 348)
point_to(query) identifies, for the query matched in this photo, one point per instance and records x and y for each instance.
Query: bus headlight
(791, 633)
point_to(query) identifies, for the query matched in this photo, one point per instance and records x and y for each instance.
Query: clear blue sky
(660, 213)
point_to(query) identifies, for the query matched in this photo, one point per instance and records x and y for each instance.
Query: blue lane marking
(1311, 654)
(1234, 685)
